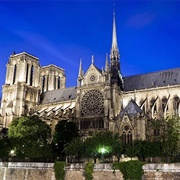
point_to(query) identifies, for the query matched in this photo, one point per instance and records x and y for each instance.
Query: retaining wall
(45, 171)
(162, 171)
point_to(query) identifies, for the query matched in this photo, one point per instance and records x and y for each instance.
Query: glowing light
(103, 150)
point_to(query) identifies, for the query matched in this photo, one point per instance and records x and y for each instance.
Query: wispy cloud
(140, 20)
(43, 43)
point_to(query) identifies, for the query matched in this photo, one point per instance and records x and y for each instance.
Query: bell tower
(21, 91)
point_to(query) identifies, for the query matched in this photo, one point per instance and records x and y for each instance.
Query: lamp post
(102, 150)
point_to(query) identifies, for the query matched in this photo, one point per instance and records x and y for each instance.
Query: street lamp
(102, 150)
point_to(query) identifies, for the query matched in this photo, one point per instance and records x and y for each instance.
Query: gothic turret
(116, 77)
(80, 74)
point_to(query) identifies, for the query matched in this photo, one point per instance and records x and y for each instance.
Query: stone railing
(25, 165)
(162, 171)
(45, 171)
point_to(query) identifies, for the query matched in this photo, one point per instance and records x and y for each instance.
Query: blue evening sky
(62, 32)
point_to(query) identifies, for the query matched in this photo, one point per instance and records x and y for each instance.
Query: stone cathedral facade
(102, 100)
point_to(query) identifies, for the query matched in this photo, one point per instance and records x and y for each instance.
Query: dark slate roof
(132, 109)
(151, 80)
(59, 95)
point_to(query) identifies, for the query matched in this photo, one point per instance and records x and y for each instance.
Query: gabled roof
(59, 95)
(93, 65)
(152, 80)
(132, 109)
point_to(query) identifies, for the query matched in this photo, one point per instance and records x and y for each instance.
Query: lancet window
(14, 75)
(126, 134)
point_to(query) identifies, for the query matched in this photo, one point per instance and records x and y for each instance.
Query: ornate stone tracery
(92, 103)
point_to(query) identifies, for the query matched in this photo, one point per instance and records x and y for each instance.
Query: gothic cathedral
(102, 101)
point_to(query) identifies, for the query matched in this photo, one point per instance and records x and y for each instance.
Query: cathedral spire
(115, 72)
(114, 48)
(114, 36)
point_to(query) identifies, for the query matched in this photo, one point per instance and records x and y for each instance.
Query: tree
(30, 137)
(133, 149)
(75, 148)
(103, 144)
(5, 148)
(168, 135)
(65, 132)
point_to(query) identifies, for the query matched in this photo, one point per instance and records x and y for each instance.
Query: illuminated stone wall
(45, 171)
(162, 171)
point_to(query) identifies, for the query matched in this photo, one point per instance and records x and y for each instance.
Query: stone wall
(162, 171)
(101, 171)
(45, 171)
(26, 171)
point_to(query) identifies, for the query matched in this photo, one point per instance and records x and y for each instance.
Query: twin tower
(31, 89)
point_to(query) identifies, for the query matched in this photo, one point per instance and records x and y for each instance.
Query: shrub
(59, 170)
(130, 169)
(89, 171)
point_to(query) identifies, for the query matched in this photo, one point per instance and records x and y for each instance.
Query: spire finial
(92, 59)
(107, 64)
(80, 69)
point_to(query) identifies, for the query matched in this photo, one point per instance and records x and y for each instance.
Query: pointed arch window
(153, 106)
(31, 76)
(126, 134)
(27, 70)
(58, 83)
(14, 75)
(155, 109)
(176, 107)
(164, 104)
(43, 83)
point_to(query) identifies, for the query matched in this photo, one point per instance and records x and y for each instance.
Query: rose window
(92, 103)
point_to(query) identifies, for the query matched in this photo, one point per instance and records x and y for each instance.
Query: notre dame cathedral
(102, 100)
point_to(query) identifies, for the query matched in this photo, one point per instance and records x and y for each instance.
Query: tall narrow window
(27, 70)
(14, 75)
(31, 76)
(43, 83)
(164, 104)
(126, 134)
(47, 85)
(58, 82)
(176, 102)
(54, 82)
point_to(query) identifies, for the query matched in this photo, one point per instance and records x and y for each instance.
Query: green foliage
(149, 149)
(75, 147)
(59, 170)
(88, 171)
(5, 148)
(30, 137)
(130, 169)
(100, 140)
(65, 132)
(169, 136)
(132, 149)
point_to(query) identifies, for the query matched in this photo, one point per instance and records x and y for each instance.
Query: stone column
(62, 82)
